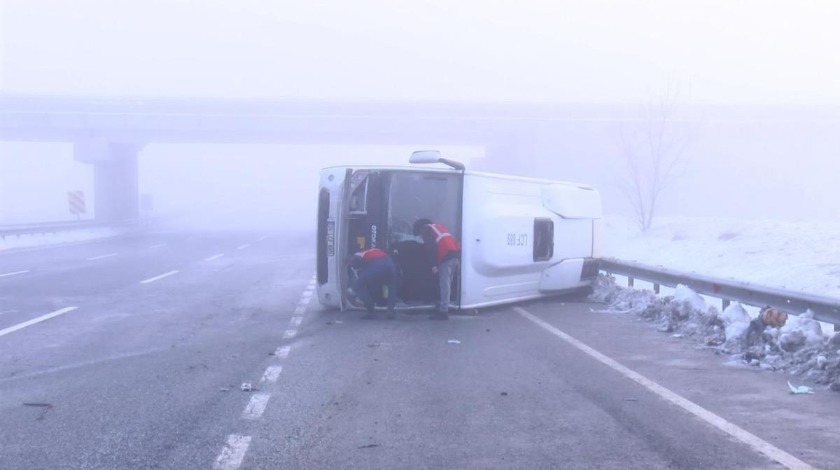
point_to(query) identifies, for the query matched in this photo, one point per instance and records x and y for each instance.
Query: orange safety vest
(371, 254)
(444, 240)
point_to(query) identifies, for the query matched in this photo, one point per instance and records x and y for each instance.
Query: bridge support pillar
(115, 179)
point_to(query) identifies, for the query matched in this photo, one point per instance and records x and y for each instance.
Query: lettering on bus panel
(517, 239)
(330, 237)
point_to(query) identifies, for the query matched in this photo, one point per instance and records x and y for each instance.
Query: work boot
(353, 299)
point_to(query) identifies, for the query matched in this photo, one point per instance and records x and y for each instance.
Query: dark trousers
(373, 275)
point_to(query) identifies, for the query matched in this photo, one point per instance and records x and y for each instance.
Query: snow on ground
(802, 256)
(13, 242)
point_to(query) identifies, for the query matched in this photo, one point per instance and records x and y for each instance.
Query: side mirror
(425, 156)
(433, 156)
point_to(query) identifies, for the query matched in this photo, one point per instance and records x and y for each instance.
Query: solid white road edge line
(23, 325)
(256, 406)
(741, 435)
(300, 310)
(231, 456)
(272, 373)
(295, 321)
(14, 273)
(288, 334)
(102, 256)
(156, 278)
(211, 258)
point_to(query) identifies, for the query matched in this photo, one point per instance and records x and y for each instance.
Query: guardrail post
(629, 281)
(724, 303)
(656, 288)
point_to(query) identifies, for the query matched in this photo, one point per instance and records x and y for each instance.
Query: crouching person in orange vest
(375, 270)
(444, 253)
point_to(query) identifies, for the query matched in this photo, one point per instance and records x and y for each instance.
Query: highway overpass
(109, 133)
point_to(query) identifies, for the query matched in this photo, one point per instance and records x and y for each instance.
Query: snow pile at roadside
(799, 347)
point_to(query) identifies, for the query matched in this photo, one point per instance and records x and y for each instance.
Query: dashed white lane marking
(242, 247)
(158, 245)
(156, 278)
(283, 352)
(14, 273)
(211, 258)
(261, 239)
(741, 435)
(272, 373)
(23, 325)
(102, 256)
(256, 406)
(233, 453)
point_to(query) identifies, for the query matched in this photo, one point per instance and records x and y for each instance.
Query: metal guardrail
(825, 309)
(50, 227)
(55, 227)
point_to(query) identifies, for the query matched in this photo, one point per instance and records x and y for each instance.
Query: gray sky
(595, 50)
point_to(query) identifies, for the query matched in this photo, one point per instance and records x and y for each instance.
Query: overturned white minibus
(521, 238)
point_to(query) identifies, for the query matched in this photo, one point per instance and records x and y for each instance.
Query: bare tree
(652, 151)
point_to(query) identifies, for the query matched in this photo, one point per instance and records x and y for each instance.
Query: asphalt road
(146, 373)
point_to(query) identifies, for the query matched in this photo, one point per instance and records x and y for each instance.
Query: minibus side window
(543, 239)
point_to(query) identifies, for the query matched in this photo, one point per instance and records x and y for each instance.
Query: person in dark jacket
(445, 252)
(376, 270)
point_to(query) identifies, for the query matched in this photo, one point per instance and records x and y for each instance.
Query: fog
(716, 53)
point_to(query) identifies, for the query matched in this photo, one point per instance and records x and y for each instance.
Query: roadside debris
(45, 407)
(789, 342)
(246, 387)
(802, 389)
(453, 341)
(224, 389)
